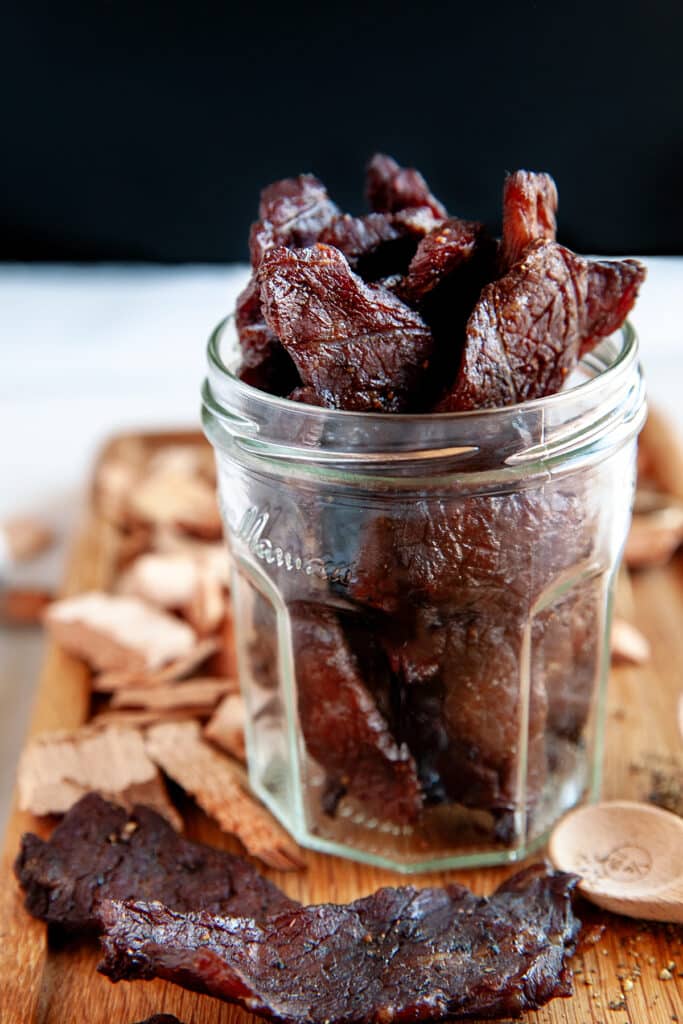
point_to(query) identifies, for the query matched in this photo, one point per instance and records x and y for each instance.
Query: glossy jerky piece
(343, 701)
(523, 337)
(161, 1018)
(397, 955)
(277, 374)
(257, 341)
(611, 293)
(460, 705)
(444, 280)
(441, 253)
(390, 187)
(492, 553)
(564, 654)
(527, 331)
(482, 709)
(358, 345)
(374, 245)
(529, 209)
(292, 212)
(101, 851)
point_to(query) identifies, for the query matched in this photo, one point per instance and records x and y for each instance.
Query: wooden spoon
(629, 856)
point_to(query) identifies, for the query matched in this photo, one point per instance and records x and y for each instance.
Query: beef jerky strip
(100, 851)
(161, 1018)
(380, 244)
(528, 329)
(398, 955)
(390, 187)
(529, 208)
(343, 726)
(358, 345)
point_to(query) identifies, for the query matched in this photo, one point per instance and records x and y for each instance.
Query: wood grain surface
(43, 981)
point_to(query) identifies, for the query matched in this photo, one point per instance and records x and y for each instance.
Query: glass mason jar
(422, 608)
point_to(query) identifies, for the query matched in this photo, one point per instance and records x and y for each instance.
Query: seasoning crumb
(665, 974)
(617, 1004)
(628, 984)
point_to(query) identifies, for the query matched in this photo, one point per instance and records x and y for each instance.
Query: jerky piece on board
(161, 1018)
(358, 345)
(101, 851)
(257, 341)
(344, 728)
(400, 954)
(293, 212)
(390, 187)
(525, 334)
(529, 208)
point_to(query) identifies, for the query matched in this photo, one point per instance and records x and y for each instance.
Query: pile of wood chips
(165, 696)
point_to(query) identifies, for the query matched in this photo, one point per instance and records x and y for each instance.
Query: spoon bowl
(629, 856)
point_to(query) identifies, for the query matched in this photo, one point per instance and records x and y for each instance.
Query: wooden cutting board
(617, 980)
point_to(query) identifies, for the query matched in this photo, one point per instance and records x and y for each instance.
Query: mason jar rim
(529, 437)
(620, 365)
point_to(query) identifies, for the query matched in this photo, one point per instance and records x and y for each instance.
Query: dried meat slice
(101, 851)
(257, 342)
(447, 249)
(344, 727)
(398, 955)
(529, 209)
(161, 1018)
(610, 296)
(390, 187)
(358, 345)
(527, 331)
(375, 245)
(293, 212)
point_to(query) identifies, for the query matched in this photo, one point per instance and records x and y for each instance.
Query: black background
(139, 130)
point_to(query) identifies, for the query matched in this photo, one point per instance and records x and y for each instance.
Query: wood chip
(661, 452)
(57, 768)
(196, 693)
(216, 784)
(167, 581)
(23, 607)
(174, 498)
(226, 727)
(629, 646)
(108, 682)
(24, 539)
(654, 537)
(188, 459)
(132, 718)
(113, 632)
(117, 476)
(206, 609)
(224, 661)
